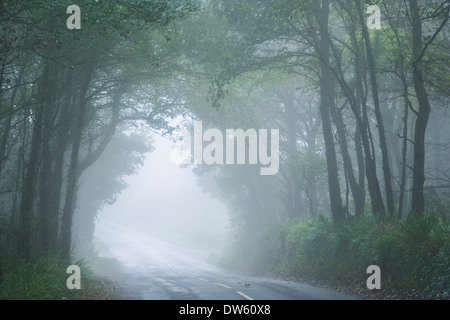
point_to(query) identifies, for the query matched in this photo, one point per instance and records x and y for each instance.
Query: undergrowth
(413, 255)
(44, 278)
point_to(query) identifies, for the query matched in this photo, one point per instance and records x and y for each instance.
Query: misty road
(158, 270)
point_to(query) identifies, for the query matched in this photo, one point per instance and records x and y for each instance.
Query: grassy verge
(45, 278)
(413, 255)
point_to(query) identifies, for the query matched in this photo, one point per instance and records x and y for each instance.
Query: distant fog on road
(164, 201)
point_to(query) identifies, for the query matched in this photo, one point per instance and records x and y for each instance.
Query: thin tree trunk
(423, 114)
(72, 183)
(348, 167)
(326, 101)
(363, 122)
(61, 145)
(44, 194)
(404, 155)
(376, 101)
(26, 216)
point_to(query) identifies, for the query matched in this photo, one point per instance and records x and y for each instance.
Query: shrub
(413, 255)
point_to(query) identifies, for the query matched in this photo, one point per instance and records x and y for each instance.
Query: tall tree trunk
(45, 183)
(378, 115)
(45, 188)
(12, 217)
(423, 113)
(358, 104)
(348, 167)
(26, 216)
(404, 155)
(73, 175)
(407, 106)
(326, 101)
(62, 141)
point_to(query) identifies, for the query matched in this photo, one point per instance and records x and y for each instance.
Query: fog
(163, 200)
(313, 142)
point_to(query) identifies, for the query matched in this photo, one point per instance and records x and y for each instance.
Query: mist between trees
(362, 113)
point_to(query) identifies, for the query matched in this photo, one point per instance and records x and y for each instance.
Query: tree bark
(359, 108)
(326, 101)
(62, 141)
(73, 175)
(423, 113)
(26, 216)
(348, 167)
(376, 102)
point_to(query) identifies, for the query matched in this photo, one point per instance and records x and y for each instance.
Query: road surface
(157, 270)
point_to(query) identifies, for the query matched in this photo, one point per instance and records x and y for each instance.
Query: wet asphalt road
(157, 270)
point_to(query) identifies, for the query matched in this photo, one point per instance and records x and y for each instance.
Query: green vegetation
(414, 255)
(44, 278)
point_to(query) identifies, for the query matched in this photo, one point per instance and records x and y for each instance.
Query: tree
(48, 79)
(326, 102)
(419, 50)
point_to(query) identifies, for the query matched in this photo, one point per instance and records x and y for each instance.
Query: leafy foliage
(412, 255)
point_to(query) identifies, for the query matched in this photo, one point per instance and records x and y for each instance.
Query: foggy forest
(224, 150)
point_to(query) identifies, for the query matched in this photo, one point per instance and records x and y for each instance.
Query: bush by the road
(413, 255)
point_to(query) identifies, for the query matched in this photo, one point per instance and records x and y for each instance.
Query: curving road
(157, 270)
